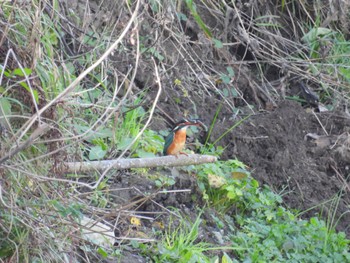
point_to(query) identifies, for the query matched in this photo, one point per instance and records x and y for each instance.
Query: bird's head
(184, 123)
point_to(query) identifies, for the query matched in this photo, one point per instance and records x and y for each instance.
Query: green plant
(152, 51)
(226, 78)
(209, 148)
(268, 232)
(328, 51)
(14, 240)
(224, 183)
(129, 126)
(193, 9)
(332, 206)
(20, 73)
(284, 238)
(181, 244)
(100, 196)
(150, 144)
(118, 134)
(164, 181)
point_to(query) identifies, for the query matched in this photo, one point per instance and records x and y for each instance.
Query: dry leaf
(216, 181)
(239, 174)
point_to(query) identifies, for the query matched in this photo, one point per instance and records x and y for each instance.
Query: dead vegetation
(79, 67)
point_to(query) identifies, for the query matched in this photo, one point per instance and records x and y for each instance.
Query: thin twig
(72, 86)
(146, 124)
(323, 128)
(341, 178)
(36, 134)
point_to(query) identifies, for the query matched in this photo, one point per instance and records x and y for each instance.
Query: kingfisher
(175, 141)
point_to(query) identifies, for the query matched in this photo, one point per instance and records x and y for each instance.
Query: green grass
(183, 244)
(40, 207)
(179, 245)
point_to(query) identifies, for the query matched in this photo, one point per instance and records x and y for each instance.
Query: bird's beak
(204, 127)
(199, 123)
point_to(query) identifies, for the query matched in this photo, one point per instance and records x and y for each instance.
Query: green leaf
(314, 33)
(255, 183)
(231, 193)
(143, 154)
(177, 100)
(225, 79)
(135, 243)
(6, 73)
(239, 192)
(198, 19)
(345, 72)
(314, 221)
(269, 215)
(35, 92)
(226, 259)
(182, 16)
(90, 38)
(102, 252)
(154, 6)
(5, 107)
(95, 135)
(19, 72)
(156, 54)
(97, 153)
(230, 71)
(71, 68)
(217, 43)
(124, 143)
(236, 163)
(100, 142)
(234, 92)
(158, 183)
(225, 92)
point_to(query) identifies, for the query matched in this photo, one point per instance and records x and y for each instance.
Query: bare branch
(118, 164)
(36, 134)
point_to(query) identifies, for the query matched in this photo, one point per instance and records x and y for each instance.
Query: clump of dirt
(300, 154)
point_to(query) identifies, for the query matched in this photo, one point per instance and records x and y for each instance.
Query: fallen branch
(181, 160)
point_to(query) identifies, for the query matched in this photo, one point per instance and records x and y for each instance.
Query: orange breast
(178, 143)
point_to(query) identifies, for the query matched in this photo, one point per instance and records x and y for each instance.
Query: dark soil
(284, 151)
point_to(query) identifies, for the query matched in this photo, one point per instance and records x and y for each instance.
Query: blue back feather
(168, 140)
